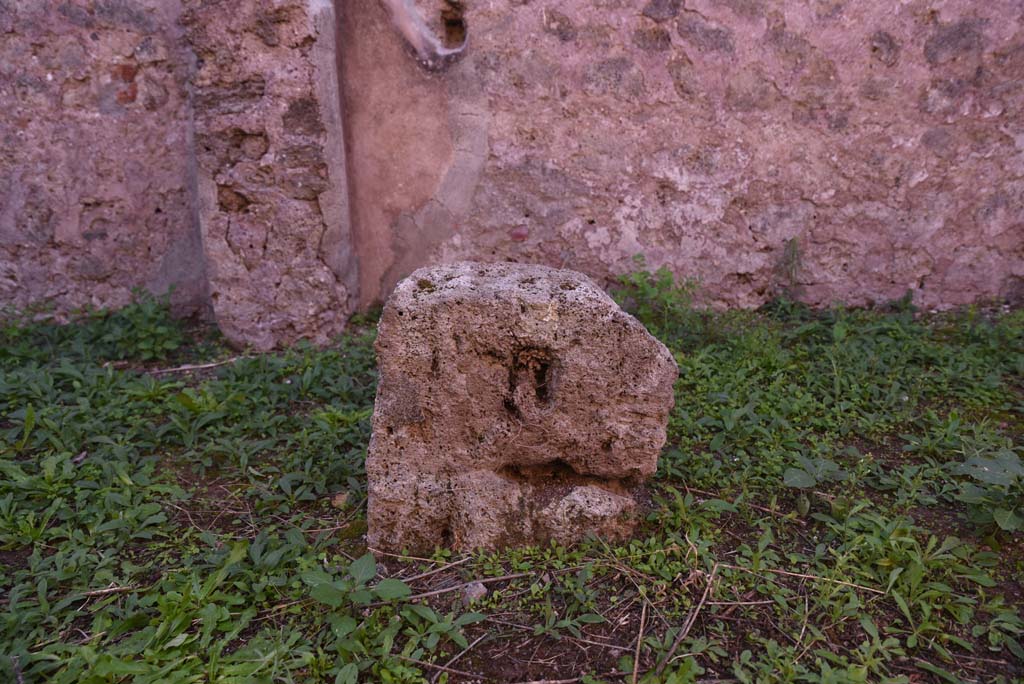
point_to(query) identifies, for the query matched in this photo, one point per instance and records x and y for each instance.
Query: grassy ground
(841, 500)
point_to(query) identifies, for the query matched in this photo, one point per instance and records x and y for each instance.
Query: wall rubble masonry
(829, 150)
(95, 155)
(272, 191)
(832, 150)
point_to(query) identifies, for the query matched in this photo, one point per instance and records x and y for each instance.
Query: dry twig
(442, 668)
(378, 552)
(446, 566)
(19, 678)
(688, 625)
(553, 681)
(108, 590)
(457, 587)
(805, 576)
(195, 367)
(780, 514)
(639, 642)
(569, 637)
(458, 655)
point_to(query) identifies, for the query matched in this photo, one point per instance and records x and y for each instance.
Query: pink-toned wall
(96, 189)
(285, 162)
(834, 150)
(272, 188)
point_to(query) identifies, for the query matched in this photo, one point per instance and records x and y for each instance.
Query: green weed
(840, 501)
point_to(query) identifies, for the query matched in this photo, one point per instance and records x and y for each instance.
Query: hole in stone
(559, 474)
(447, 538)
(542, 380)
(534, 366)
(553, 480)
(510, 406)
(454, 24)
(557, 470)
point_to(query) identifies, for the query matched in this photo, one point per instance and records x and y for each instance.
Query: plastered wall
(96, 191)
(832, 150)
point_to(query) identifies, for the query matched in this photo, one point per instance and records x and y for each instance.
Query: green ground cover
(841, 500)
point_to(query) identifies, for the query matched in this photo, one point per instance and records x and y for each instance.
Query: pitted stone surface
(516, 404)
(270, 169)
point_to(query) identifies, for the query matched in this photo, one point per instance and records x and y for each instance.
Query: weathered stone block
(516, 404)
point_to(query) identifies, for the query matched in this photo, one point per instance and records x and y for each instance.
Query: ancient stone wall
(286, 161)
(95, 155)
(833, 150)
(272, 181)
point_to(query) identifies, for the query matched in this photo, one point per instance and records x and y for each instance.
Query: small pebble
(473, 592)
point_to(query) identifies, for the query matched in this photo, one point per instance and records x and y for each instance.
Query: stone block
(517, 404)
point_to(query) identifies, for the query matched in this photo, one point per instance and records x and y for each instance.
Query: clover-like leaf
(795, 477)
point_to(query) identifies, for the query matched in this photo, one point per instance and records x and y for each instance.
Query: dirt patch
(15, 559)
